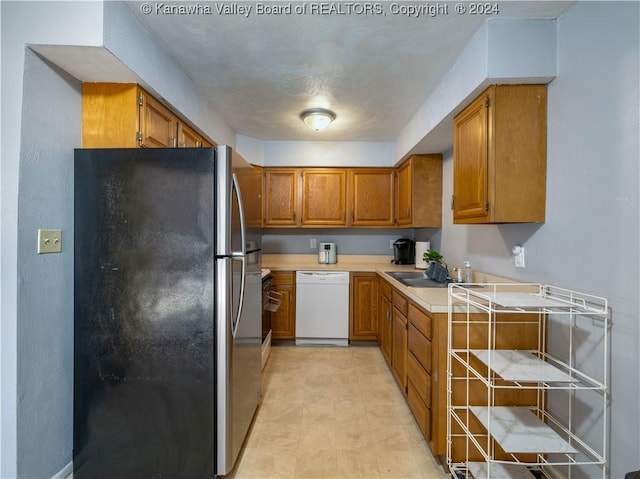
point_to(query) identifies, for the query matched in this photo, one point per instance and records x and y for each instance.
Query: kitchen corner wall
(51, 127)
(590, 239)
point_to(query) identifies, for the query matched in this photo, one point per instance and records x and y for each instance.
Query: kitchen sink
(417, 279)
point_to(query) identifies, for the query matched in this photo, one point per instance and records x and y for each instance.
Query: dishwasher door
(322, 308)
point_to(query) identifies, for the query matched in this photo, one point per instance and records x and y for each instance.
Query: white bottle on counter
(468, 274)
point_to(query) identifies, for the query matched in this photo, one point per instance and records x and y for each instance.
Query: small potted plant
(436, 270)
(432, 255)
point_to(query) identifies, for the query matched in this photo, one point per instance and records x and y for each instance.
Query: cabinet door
(399, 349)
(404, 194)
(157, 123)
(499, 157)
(280, 197)
(250, 182)
(110, 115)
(324, 197)
(283, 321)
(371, 197)
(364, 306)
(385, 326)
(470, 174)
(188, 137)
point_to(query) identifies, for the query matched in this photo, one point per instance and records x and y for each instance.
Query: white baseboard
(65, 473)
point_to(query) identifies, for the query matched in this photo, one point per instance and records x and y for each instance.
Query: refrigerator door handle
(239, 255)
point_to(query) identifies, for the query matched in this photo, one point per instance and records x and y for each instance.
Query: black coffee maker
(404, 251)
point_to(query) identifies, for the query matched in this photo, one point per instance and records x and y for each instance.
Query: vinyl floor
(333, 412)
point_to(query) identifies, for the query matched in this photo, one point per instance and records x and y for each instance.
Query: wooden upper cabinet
(123, 115)
(404, 194)
(371, 197)
(250, 183)
(110, 115)
(188, 137)
(324, 194)
(157, 123)
(418, 192)
(499, 165)
(407, 197)
(280, 197)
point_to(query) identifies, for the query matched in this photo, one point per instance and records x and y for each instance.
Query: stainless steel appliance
(327, 253)
(404, 251)
(167, 329)
(267, 307)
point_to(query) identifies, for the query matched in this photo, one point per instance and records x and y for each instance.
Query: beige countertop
(433, 300)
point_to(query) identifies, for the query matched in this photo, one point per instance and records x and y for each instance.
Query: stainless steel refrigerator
(167, 322)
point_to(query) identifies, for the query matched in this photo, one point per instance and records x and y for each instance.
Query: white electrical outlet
(390, 244)
(518, 255)
(312, 243)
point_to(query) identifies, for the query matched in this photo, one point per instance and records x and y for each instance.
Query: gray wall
(590, 240)
(51, 129)
(348, 241)
(363, 241)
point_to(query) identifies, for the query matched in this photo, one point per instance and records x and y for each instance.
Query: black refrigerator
(167, 318)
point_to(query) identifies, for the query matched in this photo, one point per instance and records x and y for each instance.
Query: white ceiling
(373, 71)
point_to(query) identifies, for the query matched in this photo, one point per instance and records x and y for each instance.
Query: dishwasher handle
(322, 277)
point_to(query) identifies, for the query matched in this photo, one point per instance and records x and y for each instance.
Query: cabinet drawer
(386, 290)
(283, 277)
(420, 378)
(420, 320)
(420, 411)
(399, 302)
(420, 347)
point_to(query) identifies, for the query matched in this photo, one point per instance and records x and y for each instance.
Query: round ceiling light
(317, 118)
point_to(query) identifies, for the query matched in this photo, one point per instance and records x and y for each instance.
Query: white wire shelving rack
(520, 413)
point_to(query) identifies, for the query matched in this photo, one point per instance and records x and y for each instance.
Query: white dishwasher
(322, 308)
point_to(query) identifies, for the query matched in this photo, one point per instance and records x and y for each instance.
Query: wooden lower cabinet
(421, 412)
(363, 307)
(399, 339)
(283, 321)
(385, 321)
(414, 344)
(519, 333)
(419, 367)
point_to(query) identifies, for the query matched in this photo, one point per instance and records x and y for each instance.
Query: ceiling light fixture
(317, 118)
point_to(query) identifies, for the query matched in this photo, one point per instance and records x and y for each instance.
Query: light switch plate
(519, 258)
(49, 241)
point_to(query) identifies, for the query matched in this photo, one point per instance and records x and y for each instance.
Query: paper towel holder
(421, 249)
